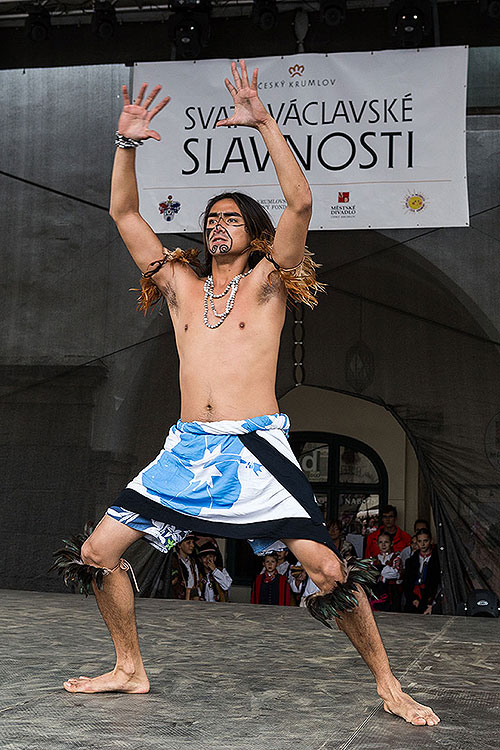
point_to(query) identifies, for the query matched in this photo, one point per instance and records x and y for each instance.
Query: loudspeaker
(482, 603)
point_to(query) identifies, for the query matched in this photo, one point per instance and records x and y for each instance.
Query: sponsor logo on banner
(273, 204)
(414, 203)
(344, 208)
(169, 208)
(295, 71)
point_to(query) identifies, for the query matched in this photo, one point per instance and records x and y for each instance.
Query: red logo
(343, 198)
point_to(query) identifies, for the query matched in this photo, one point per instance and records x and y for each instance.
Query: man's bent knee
(94, 554)
(329, 573)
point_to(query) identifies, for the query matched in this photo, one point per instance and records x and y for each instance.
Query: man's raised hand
(248, 108)
(135, 118)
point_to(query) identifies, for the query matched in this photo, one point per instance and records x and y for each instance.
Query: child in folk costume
(301, 585)
(271, 587)
(284, 565)
(284, 568)
(186, 574)
(422, 576)
(389, 585)
(215, 581)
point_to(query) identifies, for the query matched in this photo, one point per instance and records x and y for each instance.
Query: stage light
(103, 22)
(332, 12)
(265, 14)
(189, 32)
(410, 28)
(411, 21)
(37, 25)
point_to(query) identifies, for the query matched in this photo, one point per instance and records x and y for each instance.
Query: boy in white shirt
(389, 586)
(216, 581)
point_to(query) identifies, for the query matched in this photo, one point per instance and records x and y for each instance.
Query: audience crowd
(197, 571)
(408, 567)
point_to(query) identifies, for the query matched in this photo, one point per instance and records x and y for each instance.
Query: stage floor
(239, 677)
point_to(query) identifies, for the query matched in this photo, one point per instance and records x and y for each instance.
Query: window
(348, 477)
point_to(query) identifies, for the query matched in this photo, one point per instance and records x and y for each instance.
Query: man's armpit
(169, 294)
(272, 286)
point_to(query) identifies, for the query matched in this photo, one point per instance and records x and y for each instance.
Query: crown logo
(296, 70)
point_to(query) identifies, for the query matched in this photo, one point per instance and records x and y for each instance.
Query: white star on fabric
(204, 474)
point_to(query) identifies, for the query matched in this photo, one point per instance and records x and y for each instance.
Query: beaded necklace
(208, 288)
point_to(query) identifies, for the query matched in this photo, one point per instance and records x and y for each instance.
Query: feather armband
(300, 281)
(77, 575)
(327, 607)
(149, 292)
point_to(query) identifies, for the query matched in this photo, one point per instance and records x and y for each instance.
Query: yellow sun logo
(415, 202)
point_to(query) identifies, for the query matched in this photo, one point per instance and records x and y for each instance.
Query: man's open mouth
(220, 242)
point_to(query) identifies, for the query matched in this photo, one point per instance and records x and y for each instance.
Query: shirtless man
(227, 377)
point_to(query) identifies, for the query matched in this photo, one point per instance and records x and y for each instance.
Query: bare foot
(401, 704)
(116, 681)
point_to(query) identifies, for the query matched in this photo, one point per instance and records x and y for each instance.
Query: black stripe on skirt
(283, 470)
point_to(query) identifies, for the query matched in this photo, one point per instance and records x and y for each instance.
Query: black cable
(79, 200)
(409, 314)
(404, 242)
(92, 361)
(422, 318)
(52, 190)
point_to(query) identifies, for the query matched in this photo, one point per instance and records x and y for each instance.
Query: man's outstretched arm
(248, 110)
(142, 243)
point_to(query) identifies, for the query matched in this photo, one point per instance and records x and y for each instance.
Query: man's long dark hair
(257, 221)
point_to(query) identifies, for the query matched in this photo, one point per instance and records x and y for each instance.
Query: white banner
(379, 135)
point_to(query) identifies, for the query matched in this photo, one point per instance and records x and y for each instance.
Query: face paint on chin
(221, 247)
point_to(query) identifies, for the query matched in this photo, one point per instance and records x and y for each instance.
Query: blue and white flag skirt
(236, 479)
